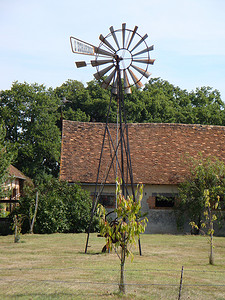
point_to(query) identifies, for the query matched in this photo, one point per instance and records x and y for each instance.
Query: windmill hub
(125, 57)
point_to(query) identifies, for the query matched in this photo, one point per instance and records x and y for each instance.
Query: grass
(55, 267)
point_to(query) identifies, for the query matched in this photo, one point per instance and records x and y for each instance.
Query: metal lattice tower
(121, 61)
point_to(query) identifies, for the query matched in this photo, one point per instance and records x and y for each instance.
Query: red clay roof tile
(157, 150)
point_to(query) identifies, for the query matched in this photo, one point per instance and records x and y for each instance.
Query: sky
(188, 38)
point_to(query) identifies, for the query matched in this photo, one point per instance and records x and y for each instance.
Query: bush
(62, 207)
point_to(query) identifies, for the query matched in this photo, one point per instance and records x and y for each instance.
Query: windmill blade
(135, 79)
(123, 33)
(133, 34)
(96, 63)
(140, 70)
(127, 88)
(106, 82)
(141, 41)
(101, 37)
(114, 36)
(115, 87)
(101, 73)
(80, 64)
(145, 61)
(103, 52)
(145, 50)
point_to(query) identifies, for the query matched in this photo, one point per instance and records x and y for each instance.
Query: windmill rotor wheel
(124, 51)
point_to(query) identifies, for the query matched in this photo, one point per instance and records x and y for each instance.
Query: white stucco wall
(160, 220)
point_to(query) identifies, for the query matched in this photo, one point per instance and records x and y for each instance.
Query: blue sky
(188, 35)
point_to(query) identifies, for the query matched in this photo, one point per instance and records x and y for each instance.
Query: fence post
(181, 281)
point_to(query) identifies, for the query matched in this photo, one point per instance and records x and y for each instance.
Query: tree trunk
(16, 234)
(35, 214)
(211, 255)
(122, 285)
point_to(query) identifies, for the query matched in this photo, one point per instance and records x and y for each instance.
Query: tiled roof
(13, 171)
(157, 150)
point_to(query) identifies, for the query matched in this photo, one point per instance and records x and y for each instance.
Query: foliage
(208, 174)
(30, 116)
(61, 208)
(169, 104)
(5, 160)
(3, 212)
(17, 226)
(73, 96)
(126, 228)
(158, 102)
(209, 219)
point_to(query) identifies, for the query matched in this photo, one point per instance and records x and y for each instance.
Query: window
(163, 200)
(108, 200)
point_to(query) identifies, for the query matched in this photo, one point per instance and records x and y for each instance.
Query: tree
(167, 103)
(205, 174)
(208, 219)
(5, 160)
(87, 103)
(208, 108)
(30, 113)
(73, 96)
(170, 104)
(123, 231)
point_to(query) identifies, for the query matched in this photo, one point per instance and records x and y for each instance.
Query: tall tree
(5, 160)
(30, 114)
(73, 96)
(208, 108)
(87, 103)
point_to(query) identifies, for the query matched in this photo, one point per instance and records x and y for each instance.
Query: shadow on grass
(91, 253)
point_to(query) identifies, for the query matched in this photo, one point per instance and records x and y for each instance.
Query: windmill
(121, 61)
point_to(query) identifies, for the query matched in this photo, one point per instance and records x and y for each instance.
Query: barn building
(159, 161)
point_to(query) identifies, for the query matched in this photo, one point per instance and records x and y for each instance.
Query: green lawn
(55, 267)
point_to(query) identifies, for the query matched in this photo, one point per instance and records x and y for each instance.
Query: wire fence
(83, 283)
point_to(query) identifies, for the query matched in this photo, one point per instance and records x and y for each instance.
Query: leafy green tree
(99, 101)
(30, 116)
(166, 103)
(123, 231)
(73, 96)
(61, 208)
(169, 104)
(208, 174)
(5, 160)
(87, 103)
(208, 108)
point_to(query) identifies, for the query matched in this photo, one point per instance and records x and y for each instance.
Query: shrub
(62, 207)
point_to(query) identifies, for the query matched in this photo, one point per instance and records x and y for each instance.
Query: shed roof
(157, 150)
(13, 171)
